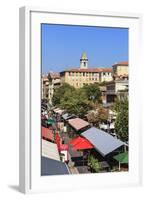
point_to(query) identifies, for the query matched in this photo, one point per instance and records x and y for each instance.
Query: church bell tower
(84, 61)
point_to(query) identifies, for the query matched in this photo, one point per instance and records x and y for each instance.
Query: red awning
(74, 141)
(80, 143)
(47, 134)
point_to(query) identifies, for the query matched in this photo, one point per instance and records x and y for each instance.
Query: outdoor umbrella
(122, 158)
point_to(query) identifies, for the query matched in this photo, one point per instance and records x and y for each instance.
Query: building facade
(120, 69)
(44, 86)
(54, 82)
(50, 82)
(119, 86)
(78, 77)
(115, 78)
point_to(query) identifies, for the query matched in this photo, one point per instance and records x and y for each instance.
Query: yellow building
(78, 77)
(119, 87)
(120, 69)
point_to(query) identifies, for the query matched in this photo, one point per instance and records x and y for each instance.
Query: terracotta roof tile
(89, 70)
(123, 63)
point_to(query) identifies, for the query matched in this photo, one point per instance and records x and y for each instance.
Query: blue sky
(62, 46)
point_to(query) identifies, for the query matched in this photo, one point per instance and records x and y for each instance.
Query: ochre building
(78, 77)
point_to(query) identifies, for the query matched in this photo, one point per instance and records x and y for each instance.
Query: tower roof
(84, 56)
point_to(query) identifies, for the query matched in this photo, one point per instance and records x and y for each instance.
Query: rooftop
(79, 143)
(123, 63)
(50, 150)
(53, 167)
(78, 123)
(47, 133)
(94, 70)
(54, 75)
(103, 142)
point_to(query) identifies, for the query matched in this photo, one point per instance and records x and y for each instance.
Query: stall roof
(55, 109)
(80, 143)
(47, 133)
(58, 110)
(53, 167)
(50, 121)
(50, 150)
(122, 157)
(78, 123)
(103, 142)
(67, 116)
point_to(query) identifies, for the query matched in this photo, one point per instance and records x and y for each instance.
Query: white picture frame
(30, 59)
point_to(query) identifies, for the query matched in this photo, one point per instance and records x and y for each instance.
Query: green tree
(75, 102)
(92, 92)
(98, 116)
(59, 93)
(93, 118)
(121, 124)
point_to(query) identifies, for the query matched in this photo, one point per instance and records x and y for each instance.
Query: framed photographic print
(79, 84)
